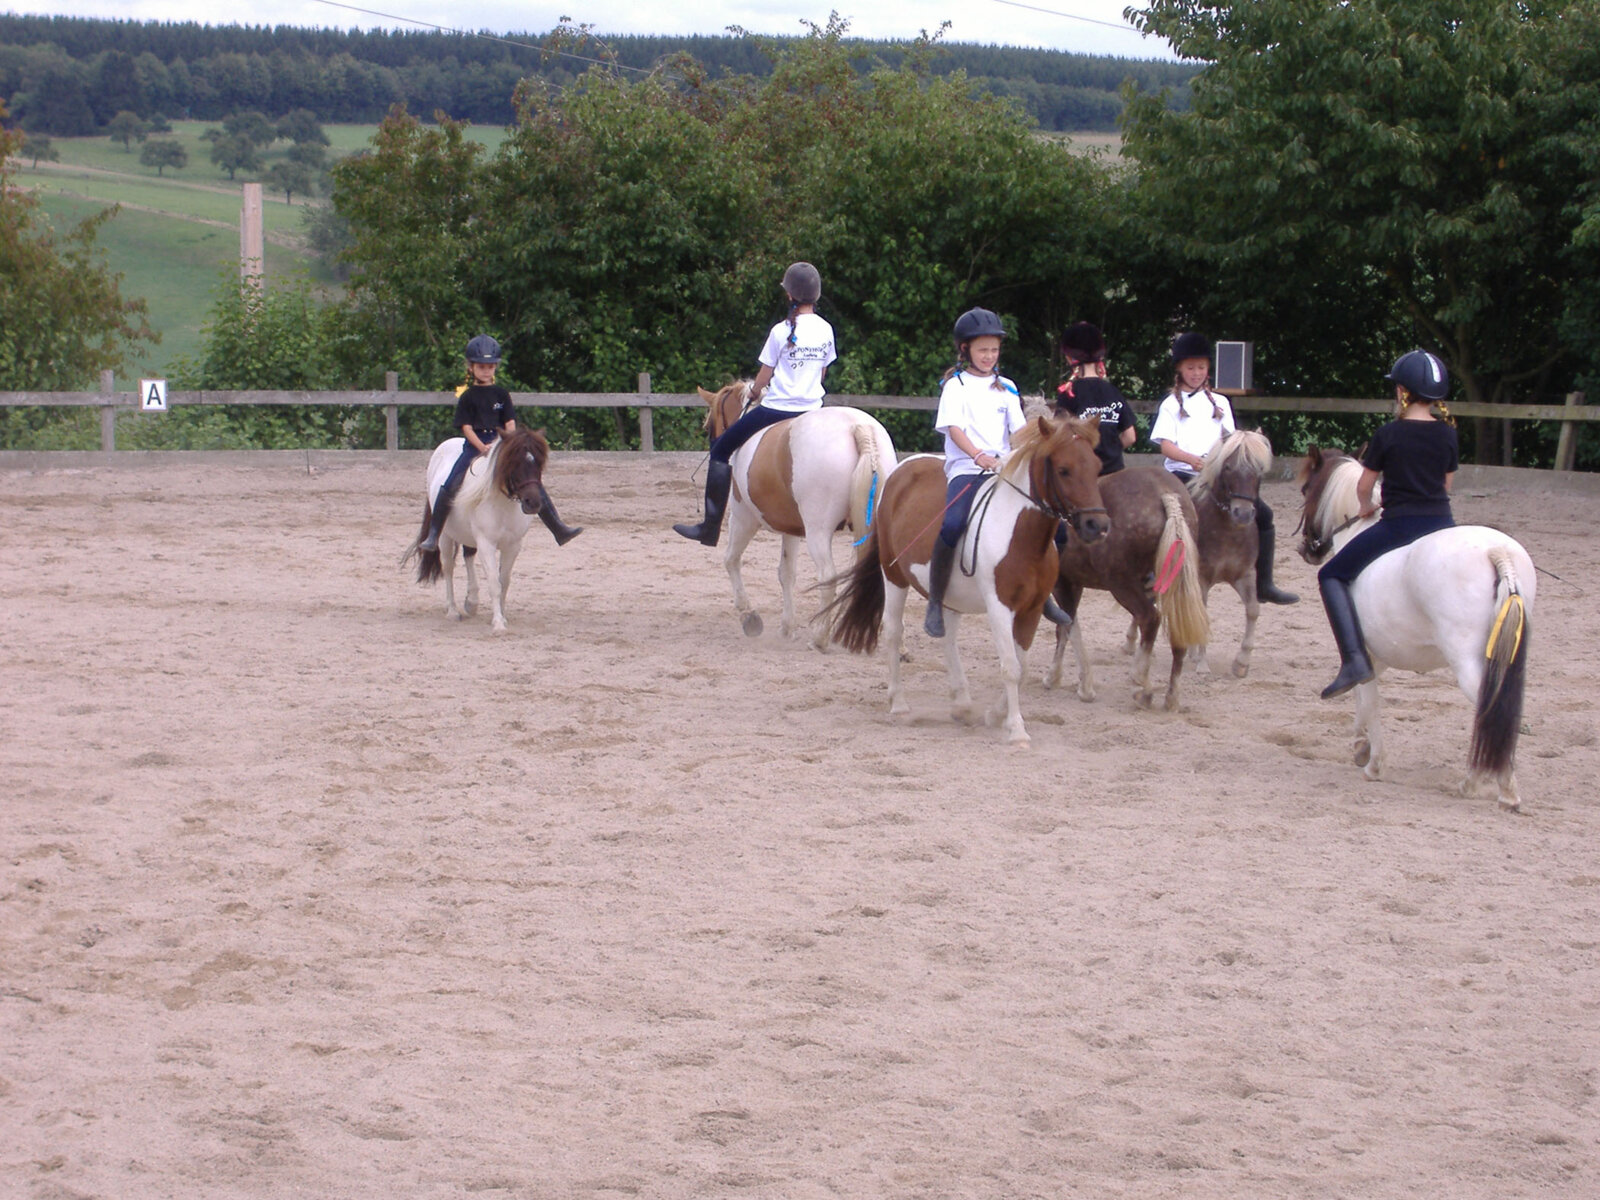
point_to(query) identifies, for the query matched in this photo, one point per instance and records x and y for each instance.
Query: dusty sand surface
(306, 891)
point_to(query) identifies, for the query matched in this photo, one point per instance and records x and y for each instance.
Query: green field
(176, 239)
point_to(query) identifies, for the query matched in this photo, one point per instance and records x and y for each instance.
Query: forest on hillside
(68, 76)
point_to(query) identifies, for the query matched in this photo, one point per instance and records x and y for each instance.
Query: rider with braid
(979, 410)
(1416, 455)
(793, 363)
(1191, 421)
(483, 412)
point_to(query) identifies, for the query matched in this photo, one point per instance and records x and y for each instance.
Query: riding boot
(939, 567)
(1354, 665)
(552, 520)
(441, 510)
(719, 480)
(1055, 614)
(1266, 591)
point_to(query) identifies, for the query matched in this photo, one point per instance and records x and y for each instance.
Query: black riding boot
(1266, 591)
(552, 520)
(719, 480)
(939, 567)
(441, 510)
(1354, 665)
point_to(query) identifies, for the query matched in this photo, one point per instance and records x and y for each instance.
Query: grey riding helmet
(483, 349)
(976, 323)
(803, 282)
(1421, 374)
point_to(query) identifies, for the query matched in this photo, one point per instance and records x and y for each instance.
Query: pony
(1148, 562)
(1006, 559)
(1225, 493)
(1460, 598)
(497, 501)
(804, 478)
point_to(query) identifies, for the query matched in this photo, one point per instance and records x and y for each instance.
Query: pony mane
(1250, 443)
(1339, 501)
(1041, 435)
(720, 395)
(504, 455)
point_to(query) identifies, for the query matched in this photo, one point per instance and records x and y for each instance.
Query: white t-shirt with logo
(1195, 433)
(798, 366)
(987, 414)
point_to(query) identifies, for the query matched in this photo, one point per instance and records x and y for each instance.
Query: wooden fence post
(647, 420)
(1567, 443)
(108, 414)
(391, 413)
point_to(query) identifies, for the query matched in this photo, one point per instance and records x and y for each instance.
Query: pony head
(1231, 476)
(518, 469)
(1056, 460)
(1329, 503)
(725, 406)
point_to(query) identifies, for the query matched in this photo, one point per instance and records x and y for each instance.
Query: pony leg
(960, 694)
(469, 565)
(1131, 640)
(894, 640)
(1172, 678)
(788, 565)
(1252, 610)
(820, 543)
(1142, 695)
(447, 563)
(1469, 672)
(1369, 730)
(1001, 623)
(508, 558)
(742, 526)
(493, 575)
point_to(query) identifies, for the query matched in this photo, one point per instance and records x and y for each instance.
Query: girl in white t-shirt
(1190, 423)
(793, 363)
(979, 410)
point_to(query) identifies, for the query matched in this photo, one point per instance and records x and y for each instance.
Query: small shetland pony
(1148, 562)
(493, 508)
(1005, 563)
(1460, 598)
(1225, 493)
(804, 478)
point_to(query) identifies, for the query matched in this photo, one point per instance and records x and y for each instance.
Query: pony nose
(1243, 512)
(1094, 526)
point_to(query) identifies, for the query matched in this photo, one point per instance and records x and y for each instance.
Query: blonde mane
(1339, 500)
(1041, 435)
(1250, 443)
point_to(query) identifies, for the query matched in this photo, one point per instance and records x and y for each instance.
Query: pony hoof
(1363, 752)
(470, 607)
(498, 630)
(1087, 696)
(1241, 669)
(452, 614)
(1171, 704)
(752, 623)
(1142, 699)
(1020, 741)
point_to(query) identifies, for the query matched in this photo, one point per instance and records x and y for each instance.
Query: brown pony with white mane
(1225, 493)
(1005, 563)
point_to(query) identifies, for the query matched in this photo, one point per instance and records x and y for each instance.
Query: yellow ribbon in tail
(1513, 598)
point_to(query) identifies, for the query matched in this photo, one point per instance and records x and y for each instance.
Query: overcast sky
(985, 21)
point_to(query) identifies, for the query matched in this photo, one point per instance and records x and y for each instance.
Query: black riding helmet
(483, 349)
(976, 323)
(1421, 374)
(1083, 343)
(1190, 345)
(803, 282)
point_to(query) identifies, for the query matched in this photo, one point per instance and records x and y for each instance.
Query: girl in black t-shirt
(483, 412)
(1416, 456)
(1088, 393)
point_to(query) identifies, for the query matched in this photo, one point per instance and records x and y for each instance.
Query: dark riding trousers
(1390, 533)
(452, 481)
(745, 428)
(959, 494)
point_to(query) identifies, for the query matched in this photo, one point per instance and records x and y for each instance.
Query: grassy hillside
(177, 236)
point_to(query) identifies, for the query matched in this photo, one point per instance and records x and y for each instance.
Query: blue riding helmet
(1421, 374)
(978, 322)
(483, 349)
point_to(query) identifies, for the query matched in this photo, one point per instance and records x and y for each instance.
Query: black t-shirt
(486, 409)
(1414, 457)
(1092, 396)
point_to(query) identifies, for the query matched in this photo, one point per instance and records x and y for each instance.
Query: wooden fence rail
(1572, 414)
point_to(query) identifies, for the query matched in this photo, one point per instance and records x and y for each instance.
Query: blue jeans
(959, 493)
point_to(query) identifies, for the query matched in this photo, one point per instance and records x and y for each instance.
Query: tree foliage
(162, 153)
(65, 319)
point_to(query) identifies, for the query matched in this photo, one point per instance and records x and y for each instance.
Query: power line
(1070, 16)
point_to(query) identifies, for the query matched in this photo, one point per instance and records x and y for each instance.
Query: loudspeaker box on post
(1235, 366)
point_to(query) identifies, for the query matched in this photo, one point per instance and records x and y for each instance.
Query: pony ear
(709, 397)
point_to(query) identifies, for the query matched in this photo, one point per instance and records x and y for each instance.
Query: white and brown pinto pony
(1225, 492)
(804, 478)
(496, 502)
(1460, 598)
(1005, 563)
(1150, 564)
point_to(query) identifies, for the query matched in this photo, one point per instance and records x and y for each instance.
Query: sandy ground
(306, 891)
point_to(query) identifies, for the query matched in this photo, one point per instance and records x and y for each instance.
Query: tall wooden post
(108, 413)
(252, 252)
(391, 413)
(1567, 441)
(647, 419)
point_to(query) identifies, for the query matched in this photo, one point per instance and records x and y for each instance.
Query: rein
(1318, 547)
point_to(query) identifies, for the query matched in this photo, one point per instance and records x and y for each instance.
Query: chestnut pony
(1460, 598)
(1005, 562)
(498, 500)
(804, 478)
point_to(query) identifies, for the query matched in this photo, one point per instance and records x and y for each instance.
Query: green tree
(252, 126)
(125, 127)
(288, 178)
(39, 148)
(1353, 178)
(234, 154)
(162, 153)
(65, 318)
(301, 126)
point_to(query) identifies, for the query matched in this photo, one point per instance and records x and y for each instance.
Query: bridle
(1072, 515)
(1317, 547)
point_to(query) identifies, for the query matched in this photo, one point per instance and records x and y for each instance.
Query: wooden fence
(110, 401)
